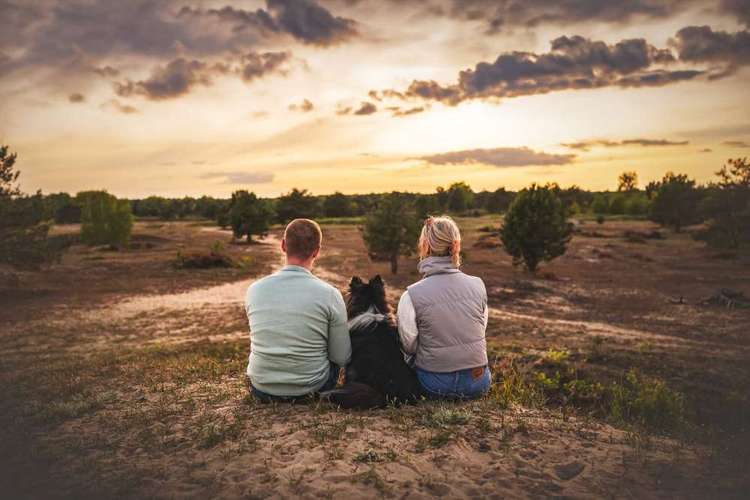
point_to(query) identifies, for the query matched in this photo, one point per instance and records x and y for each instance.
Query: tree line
(535, 228)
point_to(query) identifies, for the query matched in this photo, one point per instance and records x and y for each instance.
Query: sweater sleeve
(339, 343)
(407, 324)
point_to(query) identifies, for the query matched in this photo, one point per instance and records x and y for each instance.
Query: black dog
(377, 373)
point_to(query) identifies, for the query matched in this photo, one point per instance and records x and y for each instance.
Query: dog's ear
(377, 281)
(356, 282)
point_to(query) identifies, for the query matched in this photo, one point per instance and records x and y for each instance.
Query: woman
(443, 317)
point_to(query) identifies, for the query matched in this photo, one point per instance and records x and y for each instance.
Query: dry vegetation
(123, 376)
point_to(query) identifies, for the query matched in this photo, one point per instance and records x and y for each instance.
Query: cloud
(179, 76)
(366, 108)
(304, 20)
(76, 98)
(736, 144)
(118, 106)
(706, 150)
(587, 145)
(399, 112)
(73, 40)
(700, 44)
(256, 65)
(305, 106)
(241, 177)
(500, 157)
(738, 8)
(572, 63)
(311, 23)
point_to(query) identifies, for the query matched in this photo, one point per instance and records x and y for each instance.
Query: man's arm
(339, 343)
(407, 324)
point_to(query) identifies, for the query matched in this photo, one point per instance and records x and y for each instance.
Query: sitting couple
(299, 329)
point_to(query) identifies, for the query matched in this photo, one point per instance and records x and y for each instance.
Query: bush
(204, 260)
(617, 204)
(25, 221)
(600, 205)
(105, 220)
(675, 201)
(248, 215)
(637, 204)
(392, 229)
(727, 207)
(535, 228)
(649, 403)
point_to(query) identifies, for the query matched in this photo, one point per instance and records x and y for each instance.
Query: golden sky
(199, 97)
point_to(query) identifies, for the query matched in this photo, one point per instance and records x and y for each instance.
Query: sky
(191, 97)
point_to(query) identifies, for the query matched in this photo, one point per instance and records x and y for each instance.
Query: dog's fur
(377, 373)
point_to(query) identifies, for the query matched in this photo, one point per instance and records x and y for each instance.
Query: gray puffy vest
(450, 307)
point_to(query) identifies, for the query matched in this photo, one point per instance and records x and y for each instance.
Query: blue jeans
(264, 397)
(463, 384)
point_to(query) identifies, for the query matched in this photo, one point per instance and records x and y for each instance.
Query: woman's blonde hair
(440, 237)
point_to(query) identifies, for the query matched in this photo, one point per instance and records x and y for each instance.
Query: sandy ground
(123, 378)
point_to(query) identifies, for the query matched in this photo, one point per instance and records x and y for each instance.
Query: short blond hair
(440, 237)
(303, 238)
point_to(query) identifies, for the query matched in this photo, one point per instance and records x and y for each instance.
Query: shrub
(249, 215)
(600, 205)
(391, 229)
(649, 403)
(25, 221)
(535, 228)
(617, 204)
(637, 204)
(105, 220)
(675, 201)
(727, 206)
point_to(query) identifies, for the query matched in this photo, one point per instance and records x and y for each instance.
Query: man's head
(301, 243)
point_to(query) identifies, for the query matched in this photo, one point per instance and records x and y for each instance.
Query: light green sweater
(297, 325)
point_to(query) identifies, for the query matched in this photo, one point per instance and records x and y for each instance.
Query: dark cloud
(587, 145)
(179, 76)
(366, 108)
(241, 177)
(120, 107)
(500, 15)
(76, 97)
(78, 38)
(736, 144)
(256, 65)
(305, 106)
(725, 51)
(311, 23)
(737, 8)
(572, 63)
(106, 71)
(305, 20)
(397, 111)
(166, 82)
(500, 157)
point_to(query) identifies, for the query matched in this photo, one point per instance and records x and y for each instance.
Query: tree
(617, 203)
(535, 228)
(105, 220)
(338, 205)
(498, 201)
(25, 221)
(628, 181)
(460, 197)
(600, 205)
(296, 204)
(727, 206)
(249, 215)
(8, 176)
(392, 229)
(675, 202)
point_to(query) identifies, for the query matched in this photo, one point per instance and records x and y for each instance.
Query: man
(299, 337)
